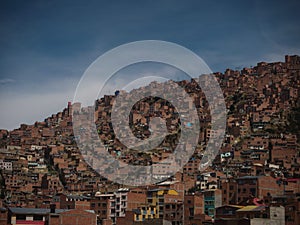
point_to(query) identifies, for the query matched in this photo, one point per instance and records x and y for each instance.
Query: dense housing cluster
(255, 179)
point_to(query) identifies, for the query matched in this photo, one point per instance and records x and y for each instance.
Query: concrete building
(250, 215)
(212, 200)
(110, 206)
(5, 165)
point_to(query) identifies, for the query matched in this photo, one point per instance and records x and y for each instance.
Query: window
(241, 182)
(257, 215)
(191, 210)
(253, 191)
(21, 217)
(38, 217)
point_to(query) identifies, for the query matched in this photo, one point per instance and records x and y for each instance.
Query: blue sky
(45, 46)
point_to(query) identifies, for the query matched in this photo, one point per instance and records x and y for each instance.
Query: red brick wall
(3, 217)
(75, 217)
(135, 200)
(267, 185)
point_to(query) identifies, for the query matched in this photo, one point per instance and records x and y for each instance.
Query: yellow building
(145, 212)
(158, 197)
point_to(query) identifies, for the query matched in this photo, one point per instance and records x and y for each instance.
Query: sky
(45, 46)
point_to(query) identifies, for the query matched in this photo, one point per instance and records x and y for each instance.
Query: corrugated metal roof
(34, 211)
(251, 208)
(234, 206)
(248, 177)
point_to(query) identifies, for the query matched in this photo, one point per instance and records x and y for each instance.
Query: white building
(5, 165)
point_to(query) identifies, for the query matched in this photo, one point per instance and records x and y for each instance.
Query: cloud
(6, 81)
(24, 106)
